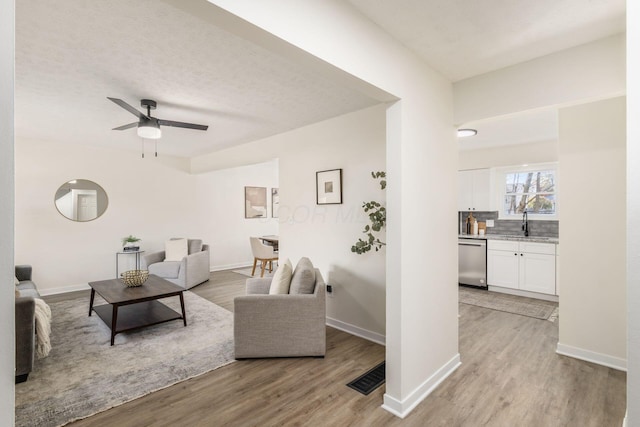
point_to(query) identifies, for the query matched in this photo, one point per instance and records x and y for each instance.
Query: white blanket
(43, 328)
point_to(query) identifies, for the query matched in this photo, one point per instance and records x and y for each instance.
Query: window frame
(501, 189)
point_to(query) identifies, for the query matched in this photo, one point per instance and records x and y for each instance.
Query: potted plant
(129, 243)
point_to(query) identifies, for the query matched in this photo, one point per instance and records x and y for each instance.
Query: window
(533, 190)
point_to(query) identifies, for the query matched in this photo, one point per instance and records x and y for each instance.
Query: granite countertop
(519, 238)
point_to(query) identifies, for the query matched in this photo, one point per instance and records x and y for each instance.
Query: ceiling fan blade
(129, 126)
(182, 125)
(128, 107)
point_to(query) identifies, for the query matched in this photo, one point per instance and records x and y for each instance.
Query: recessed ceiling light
(462, 133)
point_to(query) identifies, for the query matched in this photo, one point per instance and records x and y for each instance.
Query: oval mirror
(81, 200)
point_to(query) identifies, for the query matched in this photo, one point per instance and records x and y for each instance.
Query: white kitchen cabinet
(474, 190)
(528, 266)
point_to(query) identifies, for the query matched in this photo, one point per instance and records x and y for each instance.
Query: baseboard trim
(231, 266)
(593, 357)
(64, 290)
(403, 408)
(356, 330)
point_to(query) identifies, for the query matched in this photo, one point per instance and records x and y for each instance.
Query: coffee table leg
(93, 294)
(184, 316)
(114, 322)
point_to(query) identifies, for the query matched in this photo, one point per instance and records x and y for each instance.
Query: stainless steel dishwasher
(472, 262)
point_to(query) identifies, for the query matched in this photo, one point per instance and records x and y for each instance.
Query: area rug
(509, 303)
(84, 375)
(247, 272)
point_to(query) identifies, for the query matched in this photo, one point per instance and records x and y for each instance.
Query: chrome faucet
(525, 223)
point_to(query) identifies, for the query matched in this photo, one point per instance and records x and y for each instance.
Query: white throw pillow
(175, 250)
(281, 279)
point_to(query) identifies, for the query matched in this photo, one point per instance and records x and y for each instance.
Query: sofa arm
(195, 268)
(23, 272)
(258, 286)
(151, 258)
(25, 334)
(279, 326)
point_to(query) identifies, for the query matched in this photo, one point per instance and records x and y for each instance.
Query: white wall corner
(402, 408)
(592, 356)
(357, 331)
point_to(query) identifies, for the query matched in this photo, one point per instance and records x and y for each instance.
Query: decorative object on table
(275, 202)
(129, 243)
(378, 217)
(329, 187)
(255, 202)
(81, 200)
(133, 278)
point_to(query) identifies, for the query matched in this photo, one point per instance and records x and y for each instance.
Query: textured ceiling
(464, 38)
(71, 55)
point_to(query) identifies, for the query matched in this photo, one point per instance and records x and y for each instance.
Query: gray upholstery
(303, 280)
(25, 323)
(280, 325)
(189, 272)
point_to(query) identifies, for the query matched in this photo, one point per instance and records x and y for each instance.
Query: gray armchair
(290, 325)
(189, 272)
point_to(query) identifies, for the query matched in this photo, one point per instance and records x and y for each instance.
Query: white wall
(591, 71)
(220, 212)
(633, 212)
(538, 152)
(421, 321)
(151, 198)
(7, 301)
(592, 159)
(354, 143)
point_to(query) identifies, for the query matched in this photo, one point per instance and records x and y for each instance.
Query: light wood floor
(510, 376)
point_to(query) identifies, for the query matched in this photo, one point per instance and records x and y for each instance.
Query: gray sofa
(291, 325)
(189, 272)
(25, 323)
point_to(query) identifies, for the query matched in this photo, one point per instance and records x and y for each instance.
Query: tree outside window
(534, 191)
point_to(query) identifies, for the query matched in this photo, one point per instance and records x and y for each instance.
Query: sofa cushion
(175, 249)
(26, 284)
(194, 246)
(167, 269)
(33, 293)
(16, 281)
(303, 280)
(281, 279)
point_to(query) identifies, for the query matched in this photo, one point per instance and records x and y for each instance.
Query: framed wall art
(329, 187)
(255, 202)
(275, 202)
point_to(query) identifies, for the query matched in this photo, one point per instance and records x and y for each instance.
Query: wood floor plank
(510, 376)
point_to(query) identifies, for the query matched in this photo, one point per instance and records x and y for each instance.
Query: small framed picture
(255, 202)
(275, 202)
(329, 187)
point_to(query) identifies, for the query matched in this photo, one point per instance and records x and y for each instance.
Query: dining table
(271, 240)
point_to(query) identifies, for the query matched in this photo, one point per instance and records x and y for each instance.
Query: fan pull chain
(156, 148)
(142, 146)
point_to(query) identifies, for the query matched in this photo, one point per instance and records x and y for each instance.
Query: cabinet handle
(521, 254)
(516, 254)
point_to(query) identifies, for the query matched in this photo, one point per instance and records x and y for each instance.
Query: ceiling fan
(149, 127)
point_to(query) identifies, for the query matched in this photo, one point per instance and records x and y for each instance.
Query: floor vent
(370, 381)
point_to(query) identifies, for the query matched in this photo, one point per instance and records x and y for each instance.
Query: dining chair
(263, 253)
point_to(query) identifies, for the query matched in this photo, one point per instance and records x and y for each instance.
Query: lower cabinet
(526, 266)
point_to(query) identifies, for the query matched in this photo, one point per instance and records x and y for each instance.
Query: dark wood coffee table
(138, 307)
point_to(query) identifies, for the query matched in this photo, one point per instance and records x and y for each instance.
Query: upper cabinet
(474, 190)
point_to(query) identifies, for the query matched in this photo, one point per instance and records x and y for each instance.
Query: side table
(136, 253)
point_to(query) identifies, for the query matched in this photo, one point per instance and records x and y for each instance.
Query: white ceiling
(71, 55)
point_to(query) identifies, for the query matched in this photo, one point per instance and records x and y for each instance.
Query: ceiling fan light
(149, 130)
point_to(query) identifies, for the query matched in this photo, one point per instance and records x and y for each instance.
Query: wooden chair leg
(264, 264)
(270, 266)
(255, 261)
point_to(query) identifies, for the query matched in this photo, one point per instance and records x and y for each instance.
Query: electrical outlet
(329, 289)
(490, 223)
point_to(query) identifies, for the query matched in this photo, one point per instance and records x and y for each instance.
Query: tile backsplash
(509, 226)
